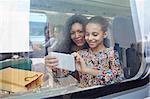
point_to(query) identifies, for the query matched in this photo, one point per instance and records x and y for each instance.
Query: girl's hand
(80, 63)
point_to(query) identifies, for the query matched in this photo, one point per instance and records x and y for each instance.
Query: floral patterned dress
(107, 62)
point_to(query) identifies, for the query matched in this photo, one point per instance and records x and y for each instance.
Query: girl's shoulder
(111, 52)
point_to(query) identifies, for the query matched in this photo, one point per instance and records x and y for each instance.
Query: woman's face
(94, 35)
(77, 34)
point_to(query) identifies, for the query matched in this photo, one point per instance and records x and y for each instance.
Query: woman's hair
(48, 31)
(74, 19)
(104, 23)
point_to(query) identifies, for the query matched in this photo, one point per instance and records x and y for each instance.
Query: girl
(97, 65)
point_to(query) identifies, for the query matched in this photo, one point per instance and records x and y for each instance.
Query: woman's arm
(52, 63)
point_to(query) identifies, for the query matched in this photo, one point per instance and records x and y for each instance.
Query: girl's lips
(91, 44)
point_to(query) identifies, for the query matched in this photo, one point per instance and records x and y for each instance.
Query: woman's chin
(80, 44)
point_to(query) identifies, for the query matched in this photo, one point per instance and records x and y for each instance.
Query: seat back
(124, 36)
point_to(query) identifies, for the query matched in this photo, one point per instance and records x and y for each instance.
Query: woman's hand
(51, 62)
(80, 63)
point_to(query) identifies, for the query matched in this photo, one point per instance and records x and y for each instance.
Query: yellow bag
(16, 80)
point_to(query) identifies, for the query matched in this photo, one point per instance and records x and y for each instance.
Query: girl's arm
(81, 66)
(115, 72)
(115, 66)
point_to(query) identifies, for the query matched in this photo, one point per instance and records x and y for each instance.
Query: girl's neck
(99, 48)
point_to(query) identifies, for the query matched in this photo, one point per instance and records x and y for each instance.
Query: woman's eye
(72, 33)
(80, 31)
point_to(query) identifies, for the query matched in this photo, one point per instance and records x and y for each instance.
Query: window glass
(52, 30)
(37, 28)
(37, 24)
(121, 36)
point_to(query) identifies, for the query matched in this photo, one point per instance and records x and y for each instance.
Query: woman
(74, 33)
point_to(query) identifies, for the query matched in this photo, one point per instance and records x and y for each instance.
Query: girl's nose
(90, 37)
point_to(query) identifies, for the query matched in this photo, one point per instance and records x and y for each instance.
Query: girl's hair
(104, 23)
(74, 19)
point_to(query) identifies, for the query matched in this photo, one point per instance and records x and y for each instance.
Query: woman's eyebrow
(77, 30)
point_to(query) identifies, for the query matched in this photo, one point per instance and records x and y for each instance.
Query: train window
(38, 22)
(67, 26)
(37, 27)
(121, 34)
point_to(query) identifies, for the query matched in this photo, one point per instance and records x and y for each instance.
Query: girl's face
(94, 35)
(77, 34)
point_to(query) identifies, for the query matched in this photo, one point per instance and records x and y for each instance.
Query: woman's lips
(79, 41)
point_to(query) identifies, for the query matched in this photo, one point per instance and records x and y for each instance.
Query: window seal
(109, 89)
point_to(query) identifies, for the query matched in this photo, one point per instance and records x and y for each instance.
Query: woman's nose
(76, 34)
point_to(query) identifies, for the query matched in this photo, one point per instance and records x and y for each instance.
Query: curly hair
(74, 19)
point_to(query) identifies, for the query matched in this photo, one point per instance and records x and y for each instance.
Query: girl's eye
(95, 34)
